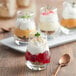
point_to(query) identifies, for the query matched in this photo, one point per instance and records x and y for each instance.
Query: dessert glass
(48, 22)
(69, 14)
(25, 26)
(37, 55)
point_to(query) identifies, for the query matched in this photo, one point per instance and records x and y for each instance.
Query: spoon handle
(56, 71)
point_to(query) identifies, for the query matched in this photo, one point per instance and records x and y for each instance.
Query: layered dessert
(25, 27)
(69, 15)
(49, 21)
(38, 51)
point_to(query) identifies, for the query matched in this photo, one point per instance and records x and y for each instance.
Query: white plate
(52, 43)
(10, 43)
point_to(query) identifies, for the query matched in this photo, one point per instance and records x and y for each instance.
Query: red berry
(44, 57)
(50, 12)
(40, 57)
(33, 58)
(44, 13)
(46, 61)
(28, 55)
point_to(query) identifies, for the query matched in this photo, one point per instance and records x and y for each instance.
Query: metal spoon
(64, 60)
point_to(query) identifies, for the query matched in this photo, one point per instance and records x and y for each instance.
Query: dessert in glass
(25, 26)
(37, 55)
(48, 22)
(69, 14)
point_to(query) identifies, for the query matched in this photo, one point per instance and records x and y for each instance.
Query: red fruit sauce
(46, 13)
(41, 57)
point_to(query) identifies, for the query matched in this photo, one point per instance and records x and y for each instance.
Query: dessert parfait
(69, 14)
(25, 26)
(49, 20)
(37, 54)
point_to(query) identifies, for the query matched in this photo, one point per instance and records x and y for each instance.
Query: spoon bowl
(64, 60)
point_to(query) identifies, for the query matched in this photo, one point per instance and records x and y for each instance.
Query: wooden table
(12, 63)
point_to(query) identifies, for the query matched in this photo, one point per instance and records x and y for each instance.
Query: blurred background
(9, 8)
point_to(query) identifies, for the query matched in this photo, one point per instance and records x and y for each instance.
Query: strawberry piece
(43, 57)
(28, 55)
(44, 13)
(50, 12)
(40, 57)
(33, 58)
(46, 61)
(46, 58)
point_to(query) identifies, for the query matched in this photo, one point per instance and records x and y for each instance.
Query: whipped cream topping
(37, 45)
(51, 17)
(69, 10)
(49, 26)
(50, 21)
(25, 24)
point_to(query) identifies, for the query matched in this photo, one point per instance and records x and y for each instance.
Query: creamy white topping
(25, 24)
(69, 10)
(49, 18)
(49, 26)
(49, 22)
(37, 45)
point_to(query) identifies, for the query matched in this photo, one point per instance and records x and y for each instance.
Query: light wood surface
(12, 63)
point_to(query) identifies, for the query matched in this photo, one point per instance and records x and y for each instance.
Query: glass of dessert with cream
(37, 55)
(48, 22)
(25, 26)
(69, 14)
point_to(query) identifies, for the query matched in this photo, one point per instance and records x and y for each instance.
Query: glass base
(20, 41)
(53, 35)
(35, 67)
